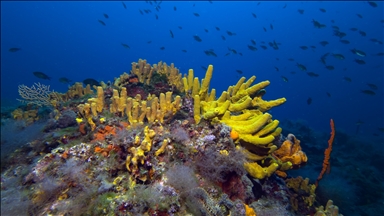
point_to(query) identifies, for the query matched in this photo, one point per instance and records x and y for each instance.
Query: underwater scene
(238, 108)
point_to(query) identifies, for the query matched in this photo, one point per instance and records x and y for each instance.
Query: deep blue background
(65, 39)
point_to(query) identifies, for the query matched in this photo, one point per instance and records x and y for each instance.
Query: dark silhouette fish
(162, 48)
(125, 6)
(303, 47)
(196, 14)
(197, 38)
(65, 80)
(91, 82)
(106, 16)
(328, 94)
(311, 74)
(301, 11)
(102, 23)
(239, 71)
(41, 75)
(125, 45)
(324, 43)
(14, 49)
(170, 31)
(254, 15)
(285, 79)
(217, 28)
(373, 4)
(322, 10)
(309, 101)
(368, 92)
(359, 61)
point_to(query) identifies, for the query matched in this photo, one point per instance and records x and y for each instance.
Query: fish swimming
(41, 75)
(102, 23)
(125, 45)
(197, 38)
(359, 61)
(65, 80)
(301, 67)
(14, 49)
(368, 92)
(358, 52)
(309, 101)
(91, 82)
(338, 56)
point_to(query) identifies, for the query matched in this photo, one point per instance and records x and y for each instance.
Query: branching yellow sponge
(256, 171)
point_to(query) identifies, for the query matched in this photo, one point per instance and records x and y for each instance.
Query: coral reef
(156, 142)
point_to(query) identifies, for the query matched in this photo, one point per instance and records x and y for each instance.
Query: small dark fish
(222, 37)
(285, 79)
(379, 54)
(291, 59)
(311, 74)
(359, 61)
(373, 4)
(170, 31)
(252, 48)
(102, 23)
(231, 33)
(338, 56)
(353, 29)
(347, 79)
(329, 67)
(162, 48)
(358, 52)
(303, 47)
(253, 42)
(264, 47)
(210, 53)
(204, 68)
(91, 82)
(265, 29)
(239, 71)
(174, 8)
(284, 6)
(196, 14)
(313, 47)
(372, 86)
(360, 16)
(368, 92)
(317, 24)
(241, 54)
(14, 49)
(324, 43)
(363, 33)
(276, 68)
(197, 38)
(309, 101)
(271, 26)
(157, 17)
(141, 12)
(217, 28)
(277, 59)
(125, 45)
(339, 34)
(345, 41)
(106, 16)
(65, 80)
(322, 10)
(180, 27)
(328, 94)
(227, 54)
(293, 72)
(184, 51)
(254, 15)
(206, 30)
(149, 42)
(301, 11)
(374, 40)
(41, 75)
(301, 67)
(125, 6)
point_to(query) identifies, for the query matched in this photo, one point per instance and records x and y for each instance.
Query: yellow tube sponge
(239, 106)
(205, 83)
(264, 106)
(252, 127)
(196, 109)
(256, 140)
(162, 148)
(256, 171)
